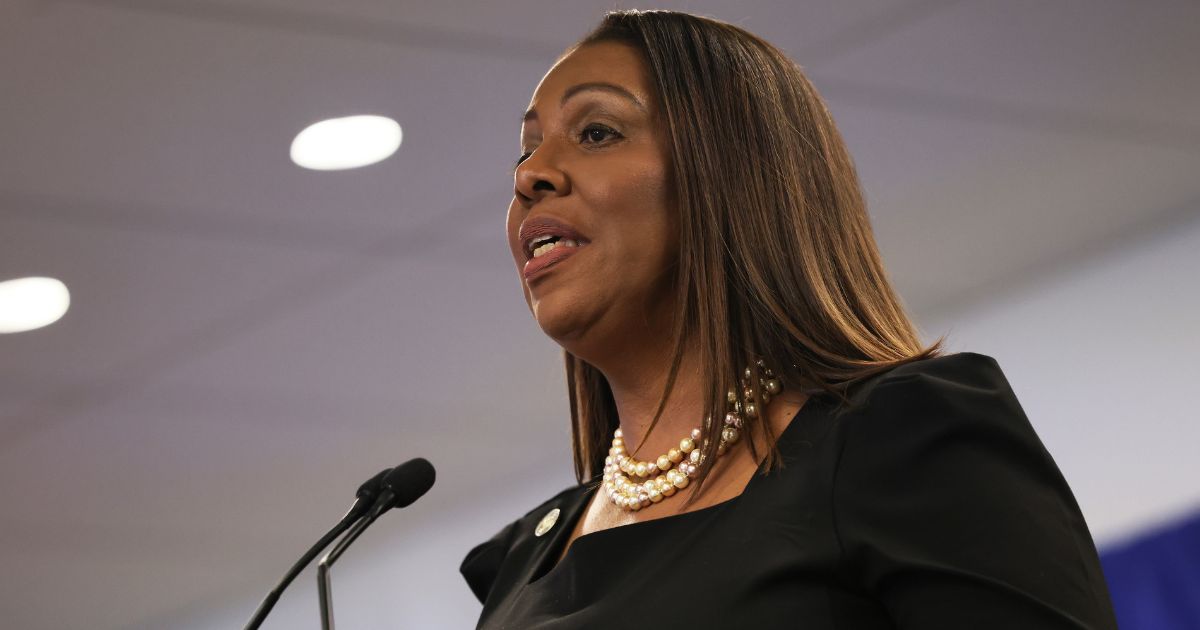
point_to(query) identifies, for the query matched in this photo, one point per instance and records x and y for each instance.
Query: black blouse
(929, 503)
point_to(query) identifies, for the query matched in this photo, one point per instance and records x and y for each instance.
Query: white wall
(1102, 354)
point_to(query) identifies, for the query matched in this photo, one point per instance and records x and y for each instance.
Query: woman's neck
(637, 385)
(637, 382)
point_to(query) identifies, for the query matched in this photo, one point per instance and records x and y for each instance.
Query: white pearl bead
(633, 484)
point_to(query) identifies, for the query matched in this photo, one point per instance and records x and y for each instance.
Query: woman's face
(594, 170)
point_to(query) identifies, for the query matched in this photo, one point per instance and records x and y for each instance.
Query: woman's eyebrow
(590, 86)
(603, 87)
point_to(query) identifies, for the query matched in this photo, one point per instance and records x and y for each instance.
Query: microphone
(404, 484)
(365, 498)
(401, 486)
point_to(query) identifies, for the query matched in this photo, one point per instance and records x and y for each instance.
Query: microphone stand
(269, 602)
(391, 488)
(364, 503)
(324, 585)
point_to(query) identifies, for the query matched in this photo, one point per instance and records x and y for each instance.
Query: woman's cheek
(511, 227)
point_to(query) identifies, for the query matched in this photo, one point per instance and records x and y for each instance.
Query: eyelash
(582, 135)
(598, 127)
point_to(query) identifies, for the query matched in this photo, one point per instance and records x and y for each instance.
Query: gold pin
(547, 522)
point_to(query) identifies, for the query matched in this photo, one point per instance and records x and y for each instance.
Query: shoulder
(483, 563)
(949, 416)
(958, 366)
(943, 486)
(962, 391)
(886, 411)
(960, 374)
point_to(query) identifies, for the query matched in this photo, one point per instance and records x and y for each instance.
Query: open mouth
(542, 245)
(548, 253)
(546, 241)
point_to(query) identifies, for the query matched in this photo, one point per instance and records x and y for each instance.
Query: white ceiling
(249, 340)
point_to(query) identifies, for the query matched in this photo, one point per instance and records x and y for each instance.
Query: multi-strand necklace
(633, 484)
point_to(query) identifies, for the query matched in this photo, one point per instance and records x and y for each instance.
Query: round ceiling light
(29, 303)
(343, 143)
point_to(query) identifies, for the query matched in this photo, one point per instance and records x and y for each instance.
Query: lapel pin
(547, 522)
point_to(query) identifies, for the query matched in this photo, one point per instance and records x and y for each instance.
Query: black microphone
(404, 484)
(401, 486)
(367, 496)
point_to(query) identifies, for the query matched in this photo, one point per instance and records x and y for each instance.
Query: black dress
(930, 503)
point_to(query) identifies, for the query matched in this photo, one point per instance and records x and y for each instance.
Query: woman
(688, 226)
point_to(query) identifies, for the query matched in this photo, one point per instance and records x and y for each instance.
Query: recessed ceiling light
(350, 142)
(29, 303)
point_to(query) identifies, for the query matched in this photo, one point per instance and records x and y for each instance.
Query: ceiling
(249, 340)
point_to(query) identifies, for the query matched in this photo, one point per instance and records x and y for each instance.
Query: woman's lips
(537, 267)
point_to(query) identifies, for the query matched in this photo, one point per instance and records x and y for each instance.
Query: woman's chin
(562, 320)
(560, 327)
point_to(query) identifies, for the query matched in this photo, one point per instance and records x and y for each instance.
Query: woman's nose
(538, 177)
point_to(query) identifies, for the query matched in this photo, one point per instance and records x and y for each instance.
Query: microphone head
(409, 481)
(372, 487)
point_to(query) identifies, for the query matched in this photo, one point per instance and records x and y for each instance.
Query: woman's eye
(596, 134)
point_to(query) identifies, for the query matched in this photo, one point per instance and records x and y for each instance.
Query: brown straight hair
(777, 259)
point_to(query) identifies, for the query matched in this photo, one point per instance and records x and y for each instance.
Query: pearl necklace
(633, 484)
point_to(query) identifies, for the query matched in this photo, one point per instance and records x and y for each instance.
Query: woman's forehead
(600, 63)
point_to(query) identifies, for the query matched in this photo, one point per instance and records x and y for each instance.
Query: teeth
(543, 249)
